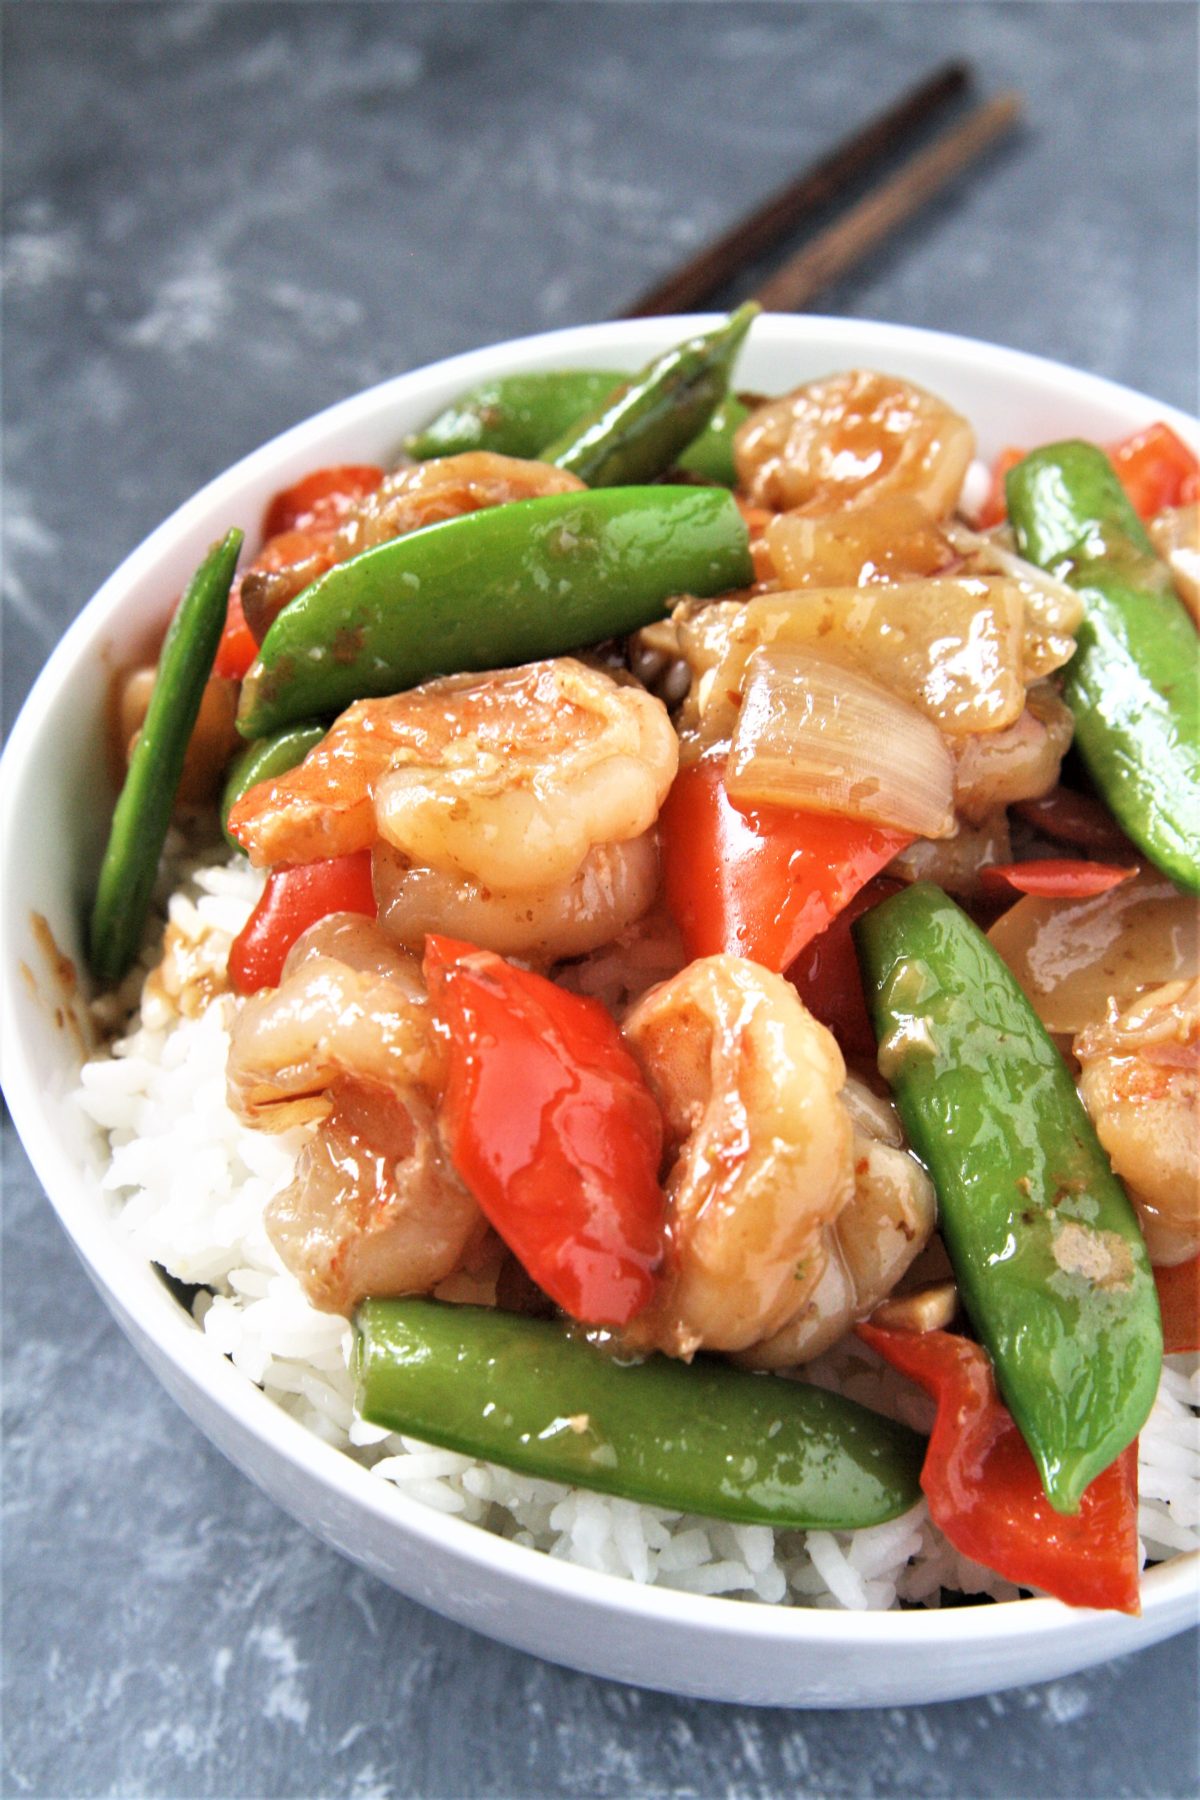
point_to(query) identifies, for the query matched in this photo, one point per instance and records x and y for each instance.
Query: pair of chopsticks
(873, 218)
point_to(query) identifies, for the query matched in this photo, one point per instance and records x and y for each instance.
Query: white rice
(189, 1184)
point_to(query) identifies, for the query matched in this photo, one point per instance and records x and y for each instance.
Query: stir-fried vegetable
(827, 977)
(262, 761)
(707, 1439)
(984, 1491)
(815, 735)
(299, 532)
(518, 415)
(515, 415)
(143, 811)
(642, 429)
(949, 646)
(710, 456)
(1155, 467)
(293, 899)
(321, 500)
(506, 585)
(1056, 878)
(1134, 682)
(1045, 1246)
(552, 1128)
(1179, 1298)
(238, 646)
(760, 881)
(1157, 470)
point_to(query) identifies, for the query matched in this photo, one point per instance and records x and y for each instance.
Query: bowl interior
(55, 775)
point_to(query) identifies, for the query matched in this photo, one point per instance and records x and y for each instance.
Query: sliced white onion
(814, 735)
(950, 647)
(1053, 611)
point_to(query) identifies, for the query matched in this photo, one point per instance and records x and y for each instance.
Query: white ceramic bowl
(719, 1648)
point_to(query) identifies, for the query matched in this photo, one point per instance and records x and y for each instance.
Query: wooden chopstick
(711, 267)
(875, 217)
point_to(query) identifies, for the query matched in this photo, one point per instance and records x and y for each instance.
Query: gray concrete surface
(219, 218)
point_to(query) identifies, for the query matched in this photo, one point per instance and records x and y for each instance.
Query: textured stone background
(220, 218)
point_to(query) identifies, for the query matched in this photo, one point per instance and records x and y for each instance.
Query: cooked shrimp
(445, 488)
(1140, 1082)
(375, 1206)
(993, 769)
(511, 780)
(872, 1242)
(406, 500)
(760, 1149)
(507, 779)
(889, 539)
(614, 885)
(329, 1020)
(701, 633)
(850, 439)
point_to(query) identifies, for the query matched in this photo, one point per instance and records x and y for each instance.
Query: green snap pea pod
(1045, 1247)
(262, 761)
(516, 415)
(711, 454)
(143, 810)
(1134, 681)
(506, 585)
(705, 1438)
(642, 429)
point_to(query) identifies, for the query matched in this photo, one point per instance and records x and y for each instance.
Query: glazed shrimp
(345, 1042)
(1140, 1082)
(850, 439)
(613, 886)
(351, 1006)
(444, 488)
(994, 769)
(406, 500)
(760, 1149)
(868, 1247)
(507, 779)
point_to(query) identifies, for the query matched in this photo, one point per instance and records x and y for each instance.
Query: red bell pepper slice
(238, 646)
(994, 510)
(827, 977)
(321, 499)
(760, 881)
(1155, 467)
(553, 1129)
(294, 898)
(985, 1493)
(1179, 1302)
(1157, 470)
(298, 524)
(1056, 877)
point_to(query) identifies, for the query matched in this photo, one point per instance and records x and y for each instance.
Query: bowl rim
(131, 1286)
